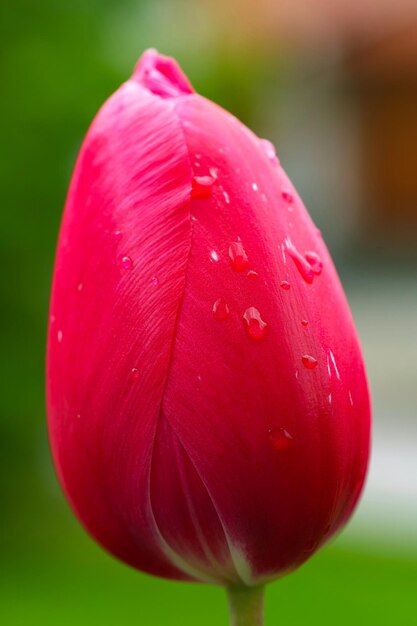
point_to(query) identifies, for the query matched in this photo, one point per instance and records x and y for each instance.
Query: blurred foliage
(59, 61)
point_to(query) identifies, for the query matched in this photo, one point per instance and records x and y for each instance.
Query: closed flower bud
(208, 406)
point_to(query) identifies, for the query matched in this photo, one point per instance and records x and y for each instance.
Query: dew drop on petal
(134, 372)
(255, 326)
(304, 322)
(126, 263)
(59, 336)
(202, 186)
(118, 235)
(214, 172)
(226, 197)
(254, 186)
(280, 438)
(301, 263)
(284, 284)
(220, 309)
(252, 275)
(309, 361)
(80, 287)
(238, 256)
(314, 261)
(154, 281)
(214, 256)
(287, 195)
(336, 369)
(269, 150)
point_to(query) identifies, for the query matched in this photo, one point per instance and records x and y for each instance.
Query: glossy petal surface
(193, 446)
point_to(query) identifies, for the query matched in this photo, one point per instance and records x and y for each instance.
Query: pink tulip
(208, 406)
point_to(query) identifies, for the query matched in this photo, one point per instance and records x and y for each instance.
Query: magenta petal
(204, 426)
(127, 220)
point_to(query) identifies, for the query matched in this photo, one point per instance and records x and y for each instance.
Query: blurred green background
(334, 85)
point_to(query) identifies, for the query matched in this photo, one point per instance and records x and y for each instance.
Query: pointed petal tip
(161, 75)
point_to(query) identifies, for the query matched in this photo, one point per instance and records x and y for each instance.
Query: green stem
(246, 606)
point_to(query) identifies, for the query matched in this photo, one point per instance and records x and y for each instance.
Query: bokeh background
(334, 85)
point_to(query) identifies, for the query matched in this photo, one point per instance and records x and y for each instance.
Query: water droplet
(280, 439)
(301, 263)
(254, 186)
(135, 372)
(214, 256)
(226, 197)
(285, 284)
(199, 378)
(264, 198)
(80, 287)
(202, 186)
(238, 256)
(214, 172)
(255, 325)
(78, 416)
(287, 195)
(59, 336)
(269, 150)
(220, 309)
(334, 365)
(350, 398)
(118, 235)
(53, 318)
(252, 275)
(304, 322)
(329, 397)
(309, 361)
(126, 263)
(154, 281)
(314, 261)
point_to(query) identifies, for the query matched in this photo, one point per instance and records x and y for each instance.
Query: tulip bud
(208, 406)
